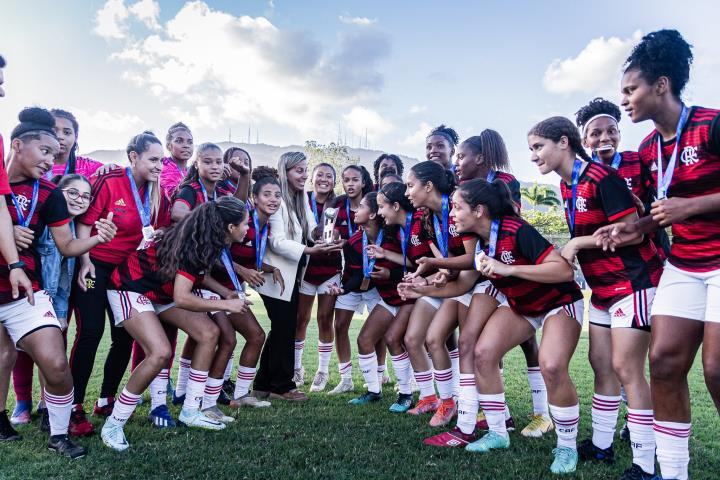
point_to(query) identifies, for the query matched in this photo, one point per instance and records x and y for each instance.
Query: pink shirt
(83, 166)
(171, 176)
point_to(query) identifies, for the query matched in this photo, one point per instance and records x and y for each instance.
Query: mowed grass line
(329, 439)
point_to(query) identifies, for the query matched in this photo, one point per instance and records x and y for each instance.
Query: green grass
(328, 439)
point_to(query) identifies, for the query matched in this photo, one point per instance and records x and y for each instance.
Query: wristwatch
(19, 264)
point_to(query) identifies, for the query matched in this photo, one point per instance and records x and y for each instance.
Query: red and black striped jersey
(50, 210)
(513, 185)
(603, 198)
(418, 245)
(387, 288)
(518, 243)
(352, 265)
(139, 273)
(696, 240)
(341, 222)
(4, 184)
(192, 195)
(455, 238)
(322, 266)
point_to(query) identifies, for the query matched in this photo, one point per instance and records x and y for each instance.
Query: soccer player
(179, 142)
(386, 164)
(440, 146)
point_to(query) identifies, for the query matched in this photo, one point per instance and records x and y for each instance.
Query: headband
(443, 134)
(599, 115)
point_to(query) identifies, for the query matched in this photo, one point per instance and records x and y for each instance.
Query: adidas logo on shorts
(49, 314)
(619, 313)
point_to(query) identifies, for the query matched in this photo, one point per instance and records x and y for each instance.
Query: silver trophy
(329, 217)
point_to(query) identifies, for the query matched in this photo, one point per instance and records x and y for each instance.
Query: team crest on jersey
(414, 240)
(581, 204)
(628, 181)
(452, 229)
(507, 257)
(23, 201)
(689, 155)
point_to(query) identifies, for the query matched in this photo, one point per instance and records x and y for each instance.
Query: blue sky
(303, 70)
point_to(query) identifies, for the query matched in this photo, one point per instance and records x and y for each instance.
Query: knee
(209, 334)
(413, 341)
(8, 356)
(228, 340)
(434, 344)
(159, 356)
(365, 343)
(552, 369)
(393, 342)
(324, 319)
(625, 372)
(57, 372)
(665, 366)
(466, 345)
(484, 358)
(711, 370)
(257, 339)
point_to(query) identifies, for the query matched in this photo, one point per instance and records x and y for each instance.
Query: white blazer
(284, 251)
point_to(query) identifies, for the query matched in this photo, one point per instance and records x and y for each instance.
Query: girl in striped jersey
(623, 283)
(537, 290)
(156, 284)
(683, 156)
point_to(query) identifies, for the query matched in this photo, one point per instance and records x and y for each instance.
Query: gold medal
(365, 284)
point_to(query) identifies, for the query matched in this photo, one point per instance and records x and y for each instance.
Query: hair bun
(148, 132)
(36, 115)
(264, 171)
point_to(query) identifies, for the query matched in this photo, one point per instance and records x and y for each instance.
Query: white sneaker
(113, 436)
(195, 418)
(345, 385)
(248, 400)
(216, 414)
(319, 382)
(299, 376)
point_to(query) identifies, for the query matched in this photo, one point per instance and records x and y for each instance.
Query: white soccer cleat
(319, 382)
(114, 437)
(299, 377)
(345, 385)
(248, 400)
(196, 418)
(216, 414)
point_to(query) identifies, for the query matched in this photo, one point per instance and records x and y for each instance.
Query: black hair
(597, 106)
(59, 113)
(34, 122)
(371, 199)
(395, 193)
(429, 171)
(266, 178)
(231, 151)
(2, 62)
(193, 173)
(394, 176)
(387, 156)
(491, 146)
(494, 195)
(174, 128)
(555, 128)
(65, 180)
(663, 53)
(449, 133)
(365, 175)
(141, 142)
(264, 171)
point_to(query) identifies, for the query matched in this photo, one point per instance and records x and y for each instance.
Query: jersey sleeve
(615, 197)
(514, 187)
(714, 143)
(532, 245)
(4, 182)
(100, 203)
(55, 211)
(187, 195)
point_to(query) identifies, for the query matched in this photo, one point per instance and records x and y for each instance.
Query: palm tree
(537, 195)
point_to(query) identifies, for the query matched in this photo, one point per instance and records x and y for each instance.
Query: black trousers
(90, 309)
(277, 362)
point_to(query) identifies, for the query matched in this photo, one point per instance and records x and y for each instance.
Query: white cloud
(110, 20)
(595, 69)
(147, 11)
(361, 120)
(417, 139)
(360, 21)
(415, 109)
(103, 129)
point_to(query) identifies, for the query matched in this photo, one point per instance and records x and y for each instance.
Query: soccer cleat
(178, 400)
(637, 473)
(319, 382)
(161, 418)
(7, 432)
(80, 426)
(481, 423)
(403, 403)
(565, 460)
(216, 414)
(113, 436)
(299, 377)
(365, 398)
(195, 418)
(345, 385)
(625, 432)
(425, 405)
(223, 398)
(226, 394)
(451, 439)
(104, 411)
(588, 451)
(44, 419)
(489, 441)
(20, 417)
(538, 426)
(248, 400)
(62, 445)
(445, 413)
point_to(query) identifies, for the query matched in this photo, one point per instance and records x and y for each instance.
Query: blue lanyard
(490, 176)
(143, 208)
(664, 180)
(492, 244)
(313, 204)
(232, 188)
(573, 198)
(442, 234)
(24, 221)
(615, 163)
(49, 174)
(349, 222)
(369, 263)
(405, 237)
(204, 191)
(260, 241)
(226, 259)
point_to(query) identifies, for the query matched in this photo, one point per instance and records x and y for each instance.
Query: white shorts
(575, 310)
(358, 301)
(20, 319)
(207, 295)
(307, 288)
(122, 302)
(485, 287)
(435, 302)
(686, 294)
(632, 311)
(390, 308)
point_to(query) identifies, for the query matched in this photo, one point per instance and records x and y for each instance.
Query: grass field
(328, 439)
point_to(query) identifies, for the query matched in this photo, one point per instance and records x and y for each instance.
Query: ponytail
(495, 197)
(395, 193)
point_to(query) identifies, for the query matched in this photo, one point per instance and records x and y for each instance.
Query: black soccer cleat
(62, 445)
(588, 451)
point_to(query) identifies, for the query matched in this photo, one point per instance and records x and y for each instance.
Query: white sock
(538, 391)
(158, 389)
(299, 347)
(507, 412)
(213, 387)
(673, 455)
(124, 407)
(381, 369)
(245, 376)
(228, 369)
(467, 403)
(425, 383)
(444, 382)
(455, 362)
(604, 419)
(566, 424)
(103, 402)
(324, 354)
(345, 369)
(182, 379)
(368, 367)
(642, 438)
(494, 406)
(195, 389)
(403, 370)
(59, 408)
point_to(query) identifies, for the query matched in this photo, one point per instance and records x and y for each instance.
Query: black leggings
(91, 308)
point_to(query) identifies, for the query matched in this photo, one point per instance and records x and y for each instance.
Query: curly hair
(555, 128)
(597, 106)
(387, 156)
(262, 171)
(449, 133)
(662, 53)
(195, 243)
